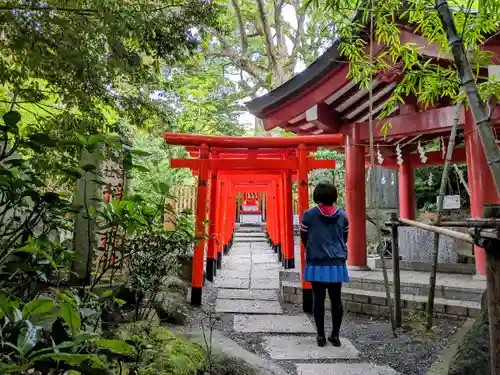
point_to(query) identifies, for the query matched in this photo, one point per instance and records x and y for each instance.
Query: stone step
(456, 287)
(372, 302)
(249, 234)
(273, 324)
(240, 240)
(343, 369)
(247, 306)
(305, 348)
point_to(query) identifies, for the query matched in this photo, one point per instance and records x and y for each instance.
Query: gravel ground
(412, 352)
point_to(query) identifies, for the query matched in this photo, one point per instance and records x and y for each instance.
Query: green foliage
(160, 352)
(47, 335)
(44, 328)
(423, 78)
(337, 175)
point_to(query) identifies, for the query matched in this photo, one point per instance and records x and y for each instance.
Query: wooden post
(395, 269)
(281, 213)
(492, 248)
(303, 205)
(211, 265)
(201, 216)
(221, 216)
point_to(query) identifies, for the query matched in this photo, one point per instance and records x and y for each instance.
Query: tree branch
(239, 61)
(278, 24)
(267, 35)
(297, 40)
(243, 34)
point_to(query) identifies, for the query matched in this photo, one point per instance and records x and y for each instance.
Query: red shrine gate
(228, 165)
(323, 100)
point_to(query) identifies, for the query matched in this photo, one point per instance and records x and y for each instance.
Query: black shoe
(334, 340)
(321, 341)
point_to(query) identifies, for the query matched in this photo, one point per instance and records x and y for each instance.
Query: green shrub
(160, 352)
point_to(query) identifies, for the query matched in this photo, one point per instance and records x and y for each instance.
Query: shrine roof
(324, 100)
(324, 65)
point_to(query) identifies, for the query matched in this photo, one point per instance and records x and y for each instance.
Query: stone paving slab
(271, 283)
(237, 267)
(260, 246)
(232, 283)
(266, 266)
(238, 294)
(247, 306)
(273, 324)
(305, 347)
(264, 260)
(240, 253)
(243, 263)
(343, 369)
(235, 273)
(265, 274)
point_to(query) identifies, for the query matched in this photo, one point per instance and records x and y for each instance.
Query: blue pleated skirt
(326, 274)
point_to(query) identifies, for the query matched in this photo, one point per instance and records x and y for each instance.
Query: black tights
(319, 293)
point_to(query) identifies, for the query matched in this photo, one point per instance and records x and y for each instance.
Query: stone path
(247, 287)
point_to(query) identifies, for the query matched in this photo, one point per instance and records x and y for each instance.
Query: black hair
(325, 193)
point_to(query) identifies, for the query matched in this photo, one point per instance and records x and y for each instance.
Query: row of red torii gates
(226, 166)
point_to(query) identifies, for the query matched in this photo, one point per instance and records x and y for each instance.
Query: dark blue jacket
(325, 237)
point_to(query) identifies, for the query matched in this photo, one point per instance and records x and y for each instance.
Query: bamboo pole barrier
(445, 232)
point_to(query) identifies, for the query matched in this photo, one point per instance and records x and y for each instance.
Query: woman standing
(324, 232)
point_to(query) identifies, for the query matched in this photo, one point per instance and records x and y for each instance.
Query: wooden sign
(451, 202)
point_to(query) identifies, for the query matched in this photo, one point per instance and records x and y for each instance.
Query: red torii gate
(262, 160)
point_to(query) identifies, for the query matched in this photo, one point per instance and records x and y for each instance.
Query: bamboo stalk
(445, 232)
(493, 291)
(442, 190)
(374, 185)
(395, 269)
(481, 118)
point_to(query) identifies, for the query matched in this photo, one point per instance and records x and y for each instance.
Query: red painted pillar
(221, 216)
(303, 186)
(231, 217)
(201, 216)
(281, 219)
(289, 256)
(211, 264)
(268, 218)
(355, 199)
(406, 182)
(272, 218)
(222, 222)
(481, 185)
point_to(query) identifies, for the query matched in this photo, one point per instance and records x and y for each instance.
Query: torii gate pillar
(406, 190)
(211, 265)
(303, 187)
(288, 255)
(201, 216)
(481, 185)
(355, 199)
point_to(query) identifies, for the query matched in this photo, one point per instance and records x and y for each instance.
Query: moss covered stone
(472, 356)
(161, 352)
